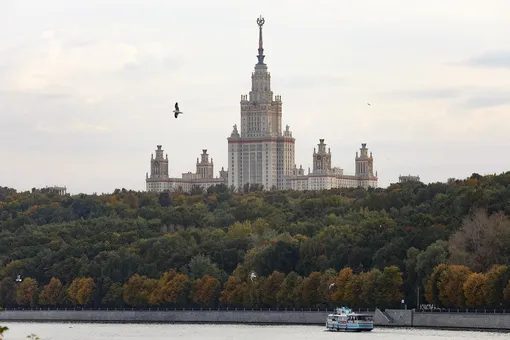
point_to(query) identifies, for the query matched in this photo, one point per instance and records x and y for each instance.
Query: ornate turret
(205, 169)
(235, 132)
(321, 158)
(224, 174)
(364, 162)
(159, 164)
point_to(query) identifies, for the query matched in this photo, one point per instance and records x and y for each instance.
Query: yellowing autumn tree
(431, 288)
(239, 230)
(206, 291)
(473, 290)
(344, 277)
(252, 294)
(172, 288)
(52, 293)
(156, 295)
(371, 291)
(311, 289)
(354, 291)
(270, 289)
(138, 290)
(234, 292)
(328, 277)
(26, 292)
(81, 290)
(451, 283)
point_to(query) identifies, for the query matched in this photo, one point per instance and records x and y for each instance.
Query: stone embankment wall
(389, 317)
(184, 316)
(410, 318)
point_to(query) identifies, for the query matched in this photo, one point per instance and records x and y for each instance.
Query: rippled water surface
(82, 331)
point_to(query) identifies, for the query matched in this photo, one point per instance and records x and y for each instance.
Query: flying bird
(177, 111)
(369, 104)
(252, 276)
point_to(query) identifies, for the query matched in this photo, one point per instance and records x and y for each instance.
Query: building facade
(324, 176)
(56, 189)
(159, 180)
(408, 178)
(261, 153)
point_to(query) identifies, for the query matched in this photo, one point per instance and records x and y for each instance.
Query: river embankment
(386, 318)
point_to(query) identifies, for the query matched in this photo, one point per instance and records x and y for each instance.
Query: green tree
(289, 294)
(7, 292)
(113, 297)
(271, 287)
(225, 232)
(495, 283)
(506, 293)
(388, 287)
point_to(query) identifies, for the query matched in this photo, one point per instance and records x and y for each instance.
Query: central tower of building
(261, 153)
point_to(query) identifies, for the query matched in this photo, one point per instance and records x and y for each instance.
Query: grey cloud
(78, 43)
(465, 98)
(441, 93)
(306, 82)
(149, 68)
(25, 95)
(497, 59)
(150, 65)
(32, 114)
(56, 96)
(468, 97)
(487, 101)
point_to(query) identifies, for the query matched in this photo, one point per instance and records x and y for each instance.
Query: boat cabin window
(364, 318)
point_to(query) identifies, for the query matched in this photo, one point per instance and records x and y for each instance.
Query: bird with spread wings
(177, 111)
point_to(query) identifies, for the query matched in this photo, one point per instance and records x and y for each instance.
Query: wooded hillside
(146, 249)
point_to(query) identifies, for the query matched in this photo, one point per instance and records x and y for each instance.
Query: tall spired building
(261, 153)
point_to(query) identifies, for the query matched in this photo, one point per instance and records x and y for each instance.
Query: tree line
(178, 290)
(219, 236)
(456, 286)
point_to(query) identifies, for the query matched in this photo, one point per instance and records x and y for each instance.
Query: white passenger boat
(343, 319)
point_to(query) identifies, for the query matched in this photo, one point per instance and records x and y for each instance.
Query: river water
(85, 331)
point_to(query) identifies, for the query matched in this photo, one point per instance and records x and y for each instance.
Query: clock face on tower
(319, 157)
(156, 163)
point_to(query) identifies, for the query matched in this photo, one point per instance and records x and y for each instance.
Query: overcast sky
(87, 87)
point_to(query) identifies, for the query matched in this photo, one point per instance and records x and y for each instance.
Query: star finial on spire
(260, 22)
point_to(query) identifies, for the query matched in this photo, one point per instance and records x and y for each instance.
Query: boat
(344, 319)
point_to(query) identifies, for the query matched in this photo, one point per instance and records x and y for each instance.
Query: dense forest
(448, 243)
